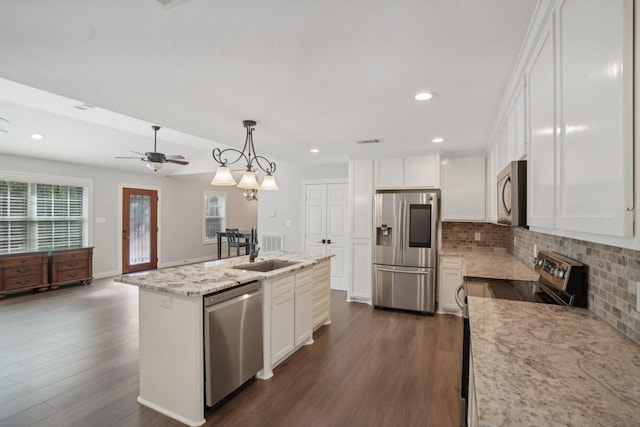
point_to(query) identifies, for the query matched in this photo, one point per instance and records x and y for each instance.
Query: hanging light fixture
(249, 180)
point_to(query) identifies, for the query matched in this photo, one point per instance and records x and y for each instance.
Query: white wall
(180, 210)
(335, 171)
(275, 208)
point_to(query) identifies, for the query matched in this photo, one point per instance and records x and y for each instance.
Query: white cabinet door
(282, 318)
(520, 107)
(509, 135)
(491, 183)
(361, 230)
(463, 189)
(449, 280)
(541, 159)
(389, 173)
(595, 154)
(321, 294)
(304, 307)
(422, 172)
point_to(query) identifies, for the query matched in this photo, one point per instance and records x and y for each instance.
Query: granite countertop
(211, 276)
(492, 264)
(547, 365)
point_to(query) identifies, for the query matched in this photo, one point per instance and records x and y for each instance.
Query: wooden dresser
(19, 272)
(70, 266)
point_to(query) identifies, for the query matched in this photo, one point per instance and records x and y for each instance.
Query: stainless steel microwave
(512, 194)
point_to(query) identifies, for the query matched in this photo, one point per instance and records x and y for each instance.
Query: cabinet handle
(24, 282)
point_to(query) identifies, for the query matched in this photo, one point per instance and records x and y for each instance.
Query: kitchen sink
(265, 266)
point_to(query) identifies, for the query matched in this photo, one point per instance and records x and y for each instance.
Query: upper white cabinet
(463, 189)
(540, 163)
(408, 172)
(520, 112)
(580, 111)
(389, 173)
(595, 147)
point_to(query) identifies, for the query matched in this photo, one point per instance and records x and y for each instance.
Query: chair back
(233, 235)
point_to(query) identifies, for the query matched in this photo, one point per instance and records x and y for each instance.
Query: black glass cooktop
(515, 290)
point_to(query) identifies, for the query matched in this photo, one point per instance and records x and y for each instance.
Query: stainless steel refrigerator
(405, 250)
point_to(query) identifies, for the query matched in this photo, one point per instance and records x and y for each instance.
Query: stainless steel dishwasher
(233, 339)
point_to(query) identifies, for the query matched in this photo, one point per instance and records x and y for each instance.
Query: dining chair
(233, 241)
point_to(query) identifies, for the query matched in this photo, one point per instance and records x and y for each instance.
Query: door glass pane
(139, 229)
(420, 226)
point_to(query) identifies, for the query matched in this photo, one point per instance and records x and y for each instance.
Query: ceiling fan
(155, 160)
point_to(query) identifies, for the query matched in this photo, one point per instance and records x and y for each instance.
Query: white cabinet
(422, 172)
(389, 173)
(520, 108)
(408, 172)
(463, 189)
(580, 110)
(540, 164)
(321, 294)
(595, 147)
(450, 277)
(282, 318)
(303, 324)
(361, 230)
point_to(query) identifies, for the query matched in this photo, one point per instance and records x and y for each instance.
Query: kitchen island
(172, 325)
(575, 371)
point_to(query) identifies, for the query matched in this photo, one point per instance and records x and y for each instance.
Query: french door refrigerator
(405, 250)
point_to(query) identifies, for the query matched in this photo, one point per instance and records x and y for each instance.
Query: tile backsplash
(611, 271)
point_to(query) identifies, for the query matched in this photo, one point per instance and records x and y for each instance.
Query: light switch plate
(478, 236)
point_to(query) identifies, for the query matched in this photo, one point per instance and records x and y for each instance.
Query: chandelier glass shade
(249, 180)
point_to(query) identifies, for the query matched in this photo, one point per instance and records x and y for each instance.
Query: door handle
(323, 241)
(328, 241)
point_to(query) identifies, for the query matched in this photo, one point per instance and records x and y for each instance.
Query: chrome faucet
(253, 245)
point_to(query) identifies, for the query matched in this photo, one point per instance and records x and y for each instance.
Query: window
(214, 215)
(37, 216)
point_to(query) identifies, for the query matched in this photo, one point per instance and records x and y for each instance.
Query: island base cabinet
(304, 308)
(282, 319)
(322, 294)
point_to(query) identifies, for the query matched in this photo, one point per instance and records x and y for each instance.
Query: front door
(325, 231)
(139, 229)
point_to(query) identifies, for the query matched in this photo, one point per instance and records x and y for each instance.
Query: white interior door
(325, 227)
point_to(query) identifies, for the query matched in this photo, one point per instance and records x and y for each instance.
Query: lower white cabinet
(282, 318)
(321, 293)
(450, 277)
(291, 313)
(303, 324)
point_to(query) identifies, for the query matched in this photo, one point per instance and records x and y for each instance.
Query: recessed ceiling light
(423, 96)
(315, 150)
(437, 140)
(37, 136)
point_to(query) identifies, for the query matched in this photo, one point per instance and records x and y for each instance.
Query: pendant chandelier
(249, 180)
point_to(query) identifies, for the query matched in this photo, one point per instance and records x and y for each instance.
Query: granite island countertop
(492, 263)
(211, 276)
(547, 365)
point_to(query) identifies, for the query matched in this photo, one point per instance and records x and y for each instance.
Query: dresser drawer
(70, 276)
(69, 255)
(17, 260)
(24, 270)
(70, 265)
(24, 282)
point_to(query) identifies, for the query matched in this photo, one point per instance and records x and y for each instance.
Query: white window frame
(205, 195)
(33, 179)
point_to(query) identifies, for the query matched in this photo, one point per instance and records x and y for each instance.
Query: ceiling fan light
(154, 166)
(223, 177)
(249, 181)
(269, 183)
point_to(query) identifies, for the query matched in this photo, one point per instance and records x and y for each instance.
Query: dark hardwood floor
(70, 358)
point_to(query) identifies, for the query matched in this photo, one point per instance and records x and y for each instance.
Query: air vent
(370, 141)
(167, 4)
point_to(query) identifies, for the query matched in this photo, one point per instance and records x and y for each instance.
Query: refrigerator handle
(405, 236)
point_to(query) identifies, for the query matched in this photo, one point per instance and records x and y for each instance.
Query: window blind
(37, 216)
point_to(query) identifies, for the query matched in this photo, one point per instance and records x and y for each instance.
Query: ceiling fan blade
(120, 157)
(175, 157)
(137, 152)
(178, 162)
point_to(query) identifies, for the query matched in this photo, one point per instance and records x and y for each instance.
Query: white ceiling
(313, 74)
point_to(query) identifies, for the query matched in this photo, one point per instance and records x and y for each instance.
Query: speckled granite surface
(545, 365)
(492, 264)
(206, 277)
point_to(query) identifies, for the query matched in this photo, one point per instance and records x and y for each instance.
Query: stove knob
(560, 274)
(540, 262)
